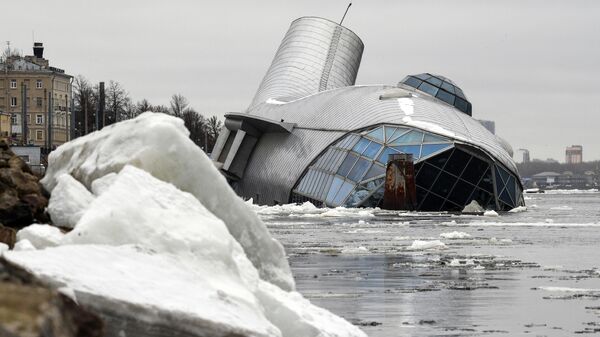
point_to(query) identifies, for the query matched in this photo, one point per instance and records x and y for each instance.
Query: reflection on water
(536, 272)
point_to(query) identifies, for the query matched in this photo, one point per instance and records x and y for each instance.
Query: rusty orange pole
(400, 189)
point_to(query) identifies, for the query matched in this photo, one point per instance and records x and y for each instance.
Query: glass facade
(351, 172)
(440, 88)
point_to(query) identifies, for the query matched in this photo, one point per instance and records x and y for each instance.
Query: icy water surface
(405, 274)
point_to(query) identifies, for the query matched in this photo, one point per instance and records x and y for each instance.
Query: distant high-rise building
(490, 125)
(526, 158)
(46, 93)
(574, 154)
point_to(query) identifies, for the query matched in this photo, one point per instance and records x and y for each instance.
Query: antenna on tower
(346, 12)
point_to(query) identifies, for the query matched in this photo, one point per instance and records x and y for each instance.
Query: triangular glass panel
(429, 149)
(412, 137)
(384, 156)
(505, 197)
(429, 138)
(415, 150)
(397, 132)
(376, 134)
(389, 131)
(361, 145)
(375, 171)
(500, 171)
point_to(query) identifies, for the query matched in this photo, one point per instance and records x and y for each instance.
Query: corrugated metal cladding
(357, 107)
(315, 55)
(278, 161)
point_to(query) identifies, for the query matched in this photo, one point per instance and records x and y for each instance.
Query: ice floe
(425, 245)
(490, 213)
(455, 235)
(518, 209)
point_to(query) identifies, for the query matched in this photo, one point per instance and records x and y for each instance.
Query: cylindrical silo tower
(315, 55)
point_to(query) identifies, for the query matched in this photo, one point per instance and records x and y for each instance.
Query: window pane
(428, 88)
(500, 172)
(359, 169)
(343, 193)
(460, 104)
(448, 87)
(446, 97)
(335, 186)
(505, 197)
(384, 156)
(461, 192)
(443, 184)
(374, 171)
(429, 138)
(432, 203)
(459, 92)
(429, 149)
(435, 81)
(347, 164)
(426, 176)
(361, 145)
(389, 131)
(474, 170)
(413, 137)
(486, 182)
(415, 150)
(413, 82)
(457, 162)
(423, 76)
(372, 150)
(396, 134)
(377, 134)
(510, 186)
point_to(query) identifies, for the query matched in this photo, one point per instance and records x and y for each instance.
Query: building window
(39, 135)
(13, 101)
(39, 101)
(14, 119)
(13, 84)
(38, 84)
(39, 119)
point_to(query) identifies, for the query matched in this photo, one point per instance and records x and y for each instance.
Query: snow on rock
(455, 235)
(141, 142)
(473, 207)
(3, 247)
(68, 201)
(518, 209)
(490, 213)
(296, 316)
(156, 286)
(424, 245)
(41, 236)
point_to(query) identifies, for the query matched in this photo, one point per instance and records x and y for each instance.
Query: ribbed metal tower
(315, 55)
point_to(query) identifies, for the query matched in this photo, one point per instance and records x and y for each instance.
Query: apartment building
(45, 91)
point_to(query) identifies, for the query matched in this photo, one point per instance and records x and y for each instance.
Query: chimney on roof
(38, 50)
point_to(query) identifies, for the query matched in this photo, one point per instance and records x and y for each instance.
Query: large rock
(22, 198)
(29, 309)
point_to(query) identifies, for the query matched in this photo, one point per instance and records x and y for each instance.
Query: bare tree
(85, 106)
(143, 106)
(178, 105)
(213, 128)
(116, 103)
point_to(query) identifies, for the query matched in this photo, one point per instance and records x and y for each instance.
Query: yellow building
(5, 127)
(48, 93)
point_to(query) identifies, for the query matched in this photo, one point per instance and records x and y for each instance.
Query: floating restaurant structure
(311, 134)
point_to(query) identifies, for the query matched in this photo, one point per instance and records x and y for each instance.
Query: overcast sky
(531, 66)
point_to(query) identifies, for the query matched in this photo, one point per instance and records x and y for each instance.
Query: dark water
(530, 273)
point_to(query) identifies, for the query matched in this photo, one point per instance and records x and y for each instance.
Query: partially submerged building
(311, 134)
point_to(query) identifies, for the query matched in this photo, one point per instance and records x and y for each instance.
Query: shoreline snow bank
(159, 144)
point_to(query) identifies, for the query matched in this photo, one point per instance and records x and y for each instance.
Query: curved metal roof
(351, 108)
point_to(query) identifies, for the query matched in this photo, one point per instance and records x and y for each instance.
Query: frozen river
(434, 274)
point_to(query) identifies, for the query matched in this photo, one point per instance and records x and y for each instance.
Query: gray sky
(531, 66)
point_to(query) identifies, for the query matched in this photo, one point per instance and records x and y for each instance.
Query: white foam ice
(568, 289)
(518, 209)
(425, 245)
(490, 213)
(573, 191)
(562, 208)
(41, 236)
(455, 235)
(355, 250)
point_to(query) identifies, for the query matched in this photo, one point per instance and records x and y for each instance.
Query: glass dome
(441, 88)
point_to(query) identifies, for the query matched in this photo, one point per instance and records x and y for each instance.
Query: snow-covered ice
(424, 245)
(455, 235)
(141, 142)
(518, 209)
(3, 247)
(68, 202)
(41, 236)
